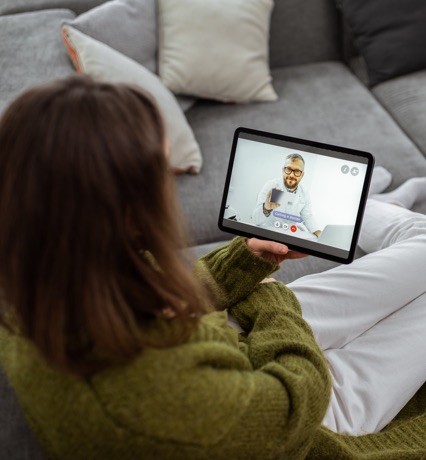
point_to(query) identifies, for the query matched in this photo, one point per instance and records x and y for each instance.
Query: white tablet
(308, 195)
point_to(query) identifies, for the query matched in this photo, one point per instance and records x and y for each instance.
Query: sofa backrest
(22, 6)
(304, 31)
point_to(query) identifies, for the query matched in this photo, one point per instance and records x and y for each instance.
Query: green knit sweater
(261, 395)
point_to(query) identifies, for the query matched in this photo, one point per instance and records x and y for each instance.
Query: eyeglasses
(296, 172)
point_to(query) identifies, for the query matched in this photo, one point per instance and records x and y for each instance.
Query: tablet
(308, 195)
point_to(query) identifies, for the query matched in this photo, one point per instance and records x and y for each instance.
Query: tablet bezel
(288, 239)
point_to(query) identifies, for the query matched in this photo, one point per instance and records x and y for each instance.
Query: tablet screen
(305, 194)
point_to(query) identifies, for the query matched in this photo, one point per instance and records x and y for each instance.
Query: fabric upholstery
(22, 6)
(302, 32)
(128, 26)
(36, 56)
(405, 98)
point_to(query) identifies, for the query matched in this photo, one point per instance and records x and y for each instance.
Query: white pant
(369, 317)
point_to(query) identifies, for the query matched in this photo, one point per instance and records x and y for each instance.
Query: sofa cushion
(389, 34)
(16, 439)
(31, 50)
(128, 26)
(216, 49)
(405, 99)
(23, 6)
(344, 113)
(102, 62)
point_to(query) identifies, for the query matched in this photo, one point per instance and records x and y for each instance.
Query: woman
(113, 345)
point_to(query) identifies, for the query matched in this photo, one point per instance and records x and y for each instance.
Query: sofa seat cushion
(344, 113)
(405, 99)
(31, 50)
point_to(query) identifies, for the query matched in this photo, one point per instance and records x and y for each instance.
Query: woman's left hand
(271, 251)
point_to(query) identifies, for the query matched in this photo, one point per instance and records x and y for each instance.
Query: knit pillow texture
(104, 63)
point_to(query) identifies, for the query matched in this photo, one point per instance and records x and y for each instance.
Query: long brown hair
(90, 229)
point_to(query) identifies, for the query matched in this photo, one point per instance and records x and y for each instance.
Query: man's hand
(271, 251)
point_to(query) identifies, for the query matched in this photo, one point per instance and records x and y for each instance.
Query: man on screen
(291, 208)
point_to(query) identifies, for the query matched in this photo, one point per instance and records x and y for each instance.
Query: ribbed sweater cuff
(233, 271)
(407, 437)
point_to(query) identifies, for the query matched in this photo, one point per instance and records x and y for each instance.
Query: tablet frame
(224, 224)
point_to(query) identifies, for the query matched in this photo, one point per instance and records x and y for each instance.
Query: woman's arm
(232, 271)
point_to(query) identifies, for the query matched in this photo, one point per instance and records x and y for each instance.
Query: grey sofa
(322, 96)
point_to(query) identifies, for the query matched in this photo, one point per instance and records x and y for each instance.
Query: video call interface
(295, 193)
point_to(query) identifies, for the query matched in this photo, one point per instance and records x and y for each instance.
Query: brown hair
(85, 187)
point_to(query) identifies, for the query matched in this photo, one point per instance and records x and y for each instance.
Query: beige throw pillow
(102, 62)
(216, 49)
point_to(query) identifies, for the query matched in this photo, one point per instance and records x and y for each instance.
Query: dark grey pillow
(389, 34)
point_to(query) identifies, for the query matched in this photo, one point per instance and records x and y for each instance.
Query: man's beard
(291, 185)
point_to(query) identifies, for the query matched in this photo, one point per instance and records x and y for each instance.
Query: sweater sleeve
(232, 272)
(265, 403)
(280, 344)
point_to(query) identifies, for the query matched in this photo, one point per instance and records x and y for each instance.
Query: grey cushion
(304, 31)
(31, 50)
(405, 98)
(22, 6)
(16, 440)
(344, 113)
(128, 26)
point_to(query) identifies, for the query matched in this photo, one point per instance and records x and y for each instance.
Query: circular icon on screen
(354, 171)
(285, 226)
(277, 224)
(344, 169)
(293, 228)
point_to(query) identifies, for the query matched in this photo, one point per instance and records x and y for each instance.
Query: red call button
(293, 228)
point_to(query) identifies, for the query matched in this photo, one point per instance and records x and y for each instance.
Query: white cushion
(216, 49)
(102, 62)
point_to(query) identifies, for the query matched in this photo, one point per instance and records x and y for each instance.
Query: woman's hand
(271, 251)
